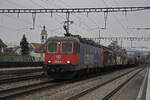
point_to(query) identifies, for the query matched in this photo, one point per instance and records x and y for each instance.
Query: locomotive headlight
(68, 62)
(49, 61)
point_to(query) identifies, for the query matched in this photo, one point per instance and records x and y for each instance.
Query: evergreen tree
(24, 46)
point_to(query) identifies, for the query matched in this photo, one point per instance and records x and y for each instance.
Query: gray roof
(63, 39)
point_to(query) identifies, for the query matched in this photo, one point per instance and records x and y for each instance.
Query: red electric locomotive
(62, 57)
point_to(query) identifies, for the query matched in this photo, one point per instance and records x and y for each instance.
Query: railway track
(119, 87)
(89, 90)
(19, 71)
(12, 92)
(17, 91)
(21, 78)
(26, 89)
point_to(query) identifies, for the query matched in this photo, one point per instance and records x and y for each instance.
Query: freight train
(70, 56)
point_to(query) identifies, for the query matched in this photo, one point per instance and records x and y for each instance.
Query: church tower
(43, 35)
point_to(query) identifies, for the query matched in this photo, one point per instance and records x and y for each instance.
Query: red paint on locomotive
(59, 58)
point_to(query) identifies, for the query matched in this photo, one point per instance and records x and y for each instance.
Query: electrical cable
(75, 15)
(116, 18)
(23, 20)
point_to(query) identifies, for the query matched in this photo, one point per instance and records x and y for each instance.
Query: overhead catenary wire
(76, 16)
(74, 10)
(96, 10)
(116, 3)
(6, 27)
(70, 7)
(79, 17)
(80, 10)
(39, 5)
(14, 3)
(116, 18)
(23, 20)
(105, 17)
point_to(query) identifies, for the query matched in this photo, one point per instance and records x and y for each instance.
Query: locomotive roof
(63, 39)
(76, 38)
(79, 39)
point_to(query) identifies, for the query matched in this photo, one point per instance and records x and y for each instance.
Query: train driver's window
(67, 47)
(76, 48)
(52, 47)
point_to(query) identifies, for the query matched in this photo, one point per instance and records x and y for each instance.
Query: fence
(20, 61)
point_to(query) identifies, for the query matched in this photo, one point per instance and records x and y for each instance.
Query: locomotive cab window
(52, 47)
(66, 47)
(76, 48)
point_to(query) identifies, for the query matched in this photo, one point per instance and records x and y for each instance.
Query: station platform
(144, 91)
(148, 86)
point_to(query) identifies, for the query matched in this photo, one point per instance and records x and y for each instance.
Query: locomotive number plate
(57, 61)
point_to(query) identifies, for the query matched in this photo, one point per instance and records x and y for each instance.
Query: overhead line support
(123, 38)
(75, 10)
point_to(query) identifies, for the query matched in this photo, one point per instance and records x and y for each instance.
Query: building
(43, 35)
(37, 50)
(2, 46)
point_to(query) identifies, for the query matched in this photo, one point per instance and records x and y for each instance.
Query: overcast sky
(12, 26)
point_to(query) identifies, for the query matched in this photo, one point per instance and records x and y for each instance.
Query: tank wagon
(67, 57)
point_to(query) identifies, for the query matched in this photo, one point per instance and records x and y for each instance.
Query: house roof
(37, 47)
(41, 49)
(2, 44)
